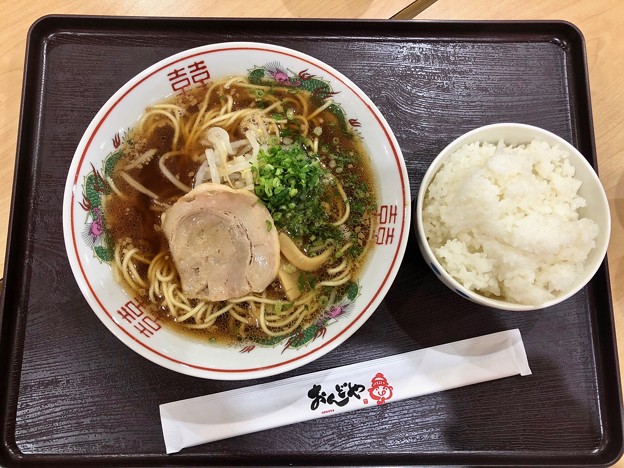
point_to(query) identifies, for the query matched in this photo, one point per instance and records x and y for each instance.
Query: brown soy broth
(137, 217)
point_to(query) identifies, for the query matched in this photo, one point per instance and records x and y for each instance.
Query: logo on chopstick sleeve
(380, 390)
(344, 393)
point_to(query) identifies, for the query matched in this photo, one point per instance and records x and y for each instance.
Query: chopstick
(413, 9)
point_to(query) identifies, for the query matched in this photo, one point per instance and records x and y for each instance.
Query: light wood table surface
(599, 20)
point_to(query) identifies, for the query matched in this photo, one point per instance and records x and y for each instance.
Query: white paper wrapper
(208, 418)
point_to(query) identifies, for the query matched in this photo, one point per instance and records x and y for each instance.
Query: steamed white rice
(504, 220)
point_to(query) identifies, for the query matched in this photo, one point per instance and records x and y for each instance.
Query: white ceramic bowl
(591, 189)
(123, 316)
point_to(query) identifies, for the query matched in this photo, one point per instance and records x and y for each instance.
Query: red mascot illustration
(380, 390)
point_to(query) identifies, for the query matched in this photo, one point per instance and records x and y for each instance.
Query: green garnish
(290, 182)
(306, 281)
(352, 290)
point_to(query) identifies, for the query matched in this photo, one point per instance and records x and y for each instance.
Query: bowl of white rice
(513, 217)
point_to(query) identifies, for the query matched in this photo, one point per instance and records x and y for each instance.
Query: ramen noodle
(292, 157)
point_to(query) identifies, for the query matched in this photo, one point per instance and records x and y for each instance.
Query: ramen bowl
(91, 252)
(596, 209)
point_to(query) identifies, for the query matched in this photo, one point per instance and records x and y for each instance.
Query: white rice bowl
(508, 219)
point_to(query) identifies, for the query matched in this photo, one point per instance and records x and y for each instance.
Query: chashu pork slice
(223, 242)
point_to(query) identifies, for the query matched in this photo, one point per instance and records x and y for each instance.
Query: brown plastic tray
(71, 393)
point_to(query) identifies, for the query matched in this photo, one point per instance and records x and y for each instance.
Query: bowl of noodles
(236, 211)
